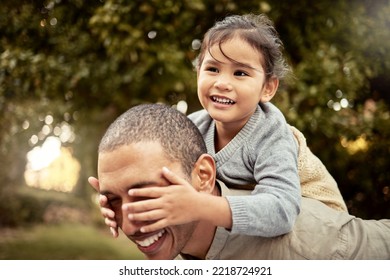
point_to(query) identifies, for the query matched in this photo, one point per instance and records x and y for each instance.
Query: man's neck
(201, 240)
(202, 237)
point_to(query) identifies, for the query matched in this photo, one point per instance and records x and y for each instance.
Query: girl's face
(232, 83)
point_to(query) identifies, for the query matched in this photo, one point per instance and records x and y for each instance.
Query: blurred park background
(69, 67)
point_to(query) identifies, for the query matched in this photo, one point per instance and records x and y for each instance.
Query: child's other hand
(107, 213)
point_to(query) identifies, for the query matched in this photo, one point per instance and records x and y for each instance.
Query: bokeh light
(51, 166)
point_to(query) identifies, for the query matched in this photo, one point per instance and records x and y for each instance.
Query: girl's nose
(223, 84)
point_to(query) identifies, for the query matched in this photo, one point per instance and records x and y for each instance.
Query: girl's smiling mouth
(222, 100)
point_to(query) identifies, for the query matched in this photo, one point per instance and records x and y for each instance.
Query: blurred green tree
(86, 62)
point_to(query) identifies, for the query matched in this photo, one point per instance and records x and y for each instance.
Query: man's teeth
(150, 240)
(222, 100)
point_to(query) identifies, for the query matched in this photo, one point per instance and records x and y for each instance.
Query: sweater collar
(227, 152)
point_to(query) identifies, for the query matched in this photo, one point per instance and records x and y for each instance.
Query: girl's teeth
(222, 100)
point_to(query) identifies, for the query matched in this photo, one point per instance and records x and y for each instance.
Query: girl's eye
(212, 69)
(240, 73)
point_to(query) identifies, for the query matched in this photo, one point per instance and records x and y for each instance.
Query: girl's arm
(176, 204)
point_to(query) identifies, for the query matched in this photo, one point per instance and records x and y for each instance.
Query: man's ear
(269, 90)
(204, 174)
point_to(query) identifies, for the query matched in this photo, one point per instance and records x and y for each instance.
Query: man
(155, 146)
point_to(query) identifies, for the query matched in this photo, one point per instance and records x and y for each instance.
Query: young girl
(239, 68)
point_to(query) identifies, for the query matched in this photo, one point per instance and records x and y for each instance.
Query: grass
(65, 242)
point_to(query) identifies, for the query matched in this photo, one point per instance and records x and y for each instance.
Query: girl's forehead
(236, 40)
(235, 46)
(223, 44)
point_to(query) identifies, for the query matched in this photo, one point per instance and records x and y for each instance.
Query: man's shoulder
(225, 191)
(314, 210)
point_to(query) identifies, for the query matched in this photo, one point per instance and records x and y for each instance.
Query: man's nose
(130, 227)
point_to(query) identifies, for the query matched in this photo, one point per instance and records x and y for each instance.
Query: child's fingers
(153, 215)
(107, 213)
(158, 225)
(110, 223)
(103, 200)
(172, 177)
(142, 206)
(105, 208)
(150, 192)
(114, 232)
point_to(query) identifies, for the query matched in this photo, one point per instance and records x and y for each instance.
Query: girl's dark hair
(258, 31)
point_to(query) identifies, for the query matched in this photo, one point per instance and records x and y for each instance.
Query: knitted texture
(316, 181)
(264, 153)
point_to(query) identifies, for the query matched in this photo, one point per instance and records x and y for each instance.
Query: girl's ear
(204, 174)
(269, 90)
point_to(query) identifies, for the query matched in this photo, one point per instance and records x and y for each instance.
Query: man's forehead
(127, 161)
(135, 165)
(140, 152)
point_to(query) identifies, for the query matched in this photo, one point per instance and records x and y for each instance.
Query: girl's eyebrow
(236, 63)
(213, 61)
(245, 65)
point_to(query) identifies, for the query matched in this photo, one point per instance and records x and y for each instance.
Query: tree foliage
(85, 62)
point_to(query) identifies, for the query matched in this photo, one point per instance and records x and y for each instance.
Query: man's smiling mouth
(150, 240)
(222, 100)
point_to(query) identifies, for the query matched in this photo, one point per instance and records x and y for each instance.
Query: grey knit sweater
(262, 157)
